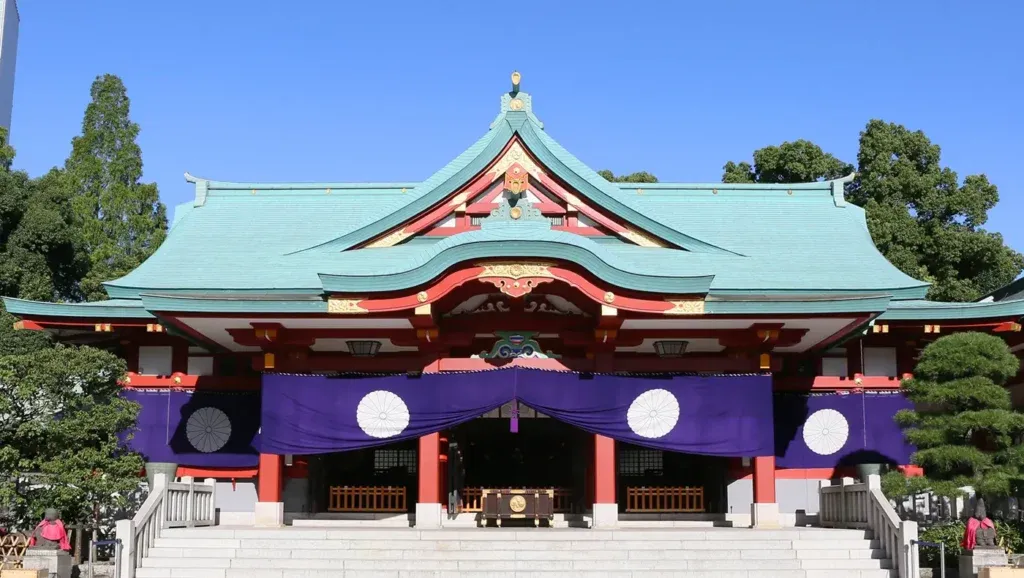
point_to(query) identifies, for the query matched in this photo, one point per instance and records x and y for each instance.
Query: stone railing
(169, 505)
(862, 505)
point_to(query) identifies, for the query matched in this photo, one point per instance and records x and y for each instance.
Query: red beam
(184, 381)
(829, 383)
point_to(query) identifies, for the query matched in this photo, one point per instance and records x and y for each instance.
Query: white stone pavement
(224, 552)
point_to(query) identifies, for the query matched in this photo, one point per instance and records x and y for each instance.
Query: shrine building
(517, 322)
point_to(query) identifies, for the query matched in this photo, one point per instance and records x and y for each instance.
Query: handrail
(862, 505)
(169, 505)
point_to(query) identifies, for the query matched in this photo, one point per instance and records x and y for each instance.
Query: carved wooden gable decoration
(516, 173)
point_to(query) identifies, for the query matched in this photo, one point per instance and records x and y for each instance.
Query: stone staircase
(296, 552)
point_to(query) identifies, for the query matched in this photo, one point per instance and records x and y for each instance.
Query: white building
(9, 20)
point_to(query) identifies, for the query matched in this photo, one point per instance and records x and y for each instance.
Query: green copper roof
(111, 309)
(920, 310)
(253, 238)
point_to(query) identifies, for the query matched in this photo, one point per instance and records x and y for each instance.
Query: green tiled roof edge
(21, 307)
(863, 304)
(582, 178)
(423, 270)
(441, 183)
(170, 303)
(944, 311)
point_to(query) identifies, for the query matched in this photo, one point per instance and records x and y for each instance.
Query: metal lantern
(363, 348)
(670, 348)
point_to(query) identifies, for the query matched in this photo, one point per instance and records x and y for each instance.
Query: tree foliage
(921, 216)
(40, 252)
(122, 220)
(639, 177)
(791, 162)
(61, 235)
(964, 426)
(59, 418)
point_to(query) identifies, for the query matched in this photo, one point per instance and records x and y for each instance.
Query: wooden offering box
(525, 504)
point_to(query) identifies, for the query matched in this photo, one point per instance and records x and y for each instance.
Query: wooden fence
(664, 500)
(12, 549)
(367, 499)
(472, 500)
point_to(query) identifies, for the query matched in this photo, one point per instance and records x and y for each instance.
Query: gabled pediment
(515, 176)
(517, 161)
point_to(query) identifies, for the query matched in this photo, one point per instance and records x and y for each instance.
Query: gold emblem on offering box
(517, 504)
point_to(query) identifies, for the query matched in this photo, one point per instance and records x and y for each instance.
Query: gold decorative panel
(686, 307)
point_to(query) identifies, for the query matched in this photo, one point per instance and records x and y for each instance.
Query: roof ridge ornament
(838, 187)
(517, 101)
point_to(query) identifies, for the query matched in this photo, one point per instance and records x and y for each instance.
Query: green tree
(122, 220)
(640, 177)
(921, 217)
(791, 162)
(40, 255)
(59, 418)
(925, 220)
(964, 425)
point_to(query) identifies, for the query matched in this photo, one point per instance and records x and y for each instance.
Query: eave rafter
(517, 166)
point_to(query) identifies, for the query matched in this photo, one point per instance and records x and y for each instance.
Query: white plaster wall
(236, 503)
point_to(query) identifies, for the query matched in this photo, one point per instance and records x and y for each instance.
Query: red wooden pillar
(428, 502)
(764, 512)
(429, 469)
(764, 480)
(270, 477)
(604, 470)
(442, 471)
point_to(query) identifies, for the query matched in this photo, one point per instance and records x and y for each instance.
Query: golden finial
(516, 77)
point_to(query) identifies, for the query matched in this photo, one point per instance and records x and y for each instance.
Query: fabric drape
(728, 415)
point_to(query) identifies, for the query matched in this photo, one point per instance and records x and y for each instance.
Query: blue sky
(390, 91)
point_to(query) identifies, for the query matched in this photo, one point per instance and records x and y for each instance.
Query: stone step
(341, 573)
(513, 544)
(537, 555)
(688, 534)
(581, 564)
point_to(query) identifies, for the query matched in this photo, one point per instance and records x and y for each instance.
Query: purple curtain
(839, 429)
(197, 429)
(728, 415)
(310, 415)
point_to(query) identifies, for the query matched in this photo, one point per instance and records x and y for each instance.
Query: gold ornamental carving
(516, 270)
(516, 104)
(609, 297)
(686, 307)
(516, 154)
(639, 238)
(517, 504)
(345, 306)
(515, 213)
(392, 239)
(422, 296)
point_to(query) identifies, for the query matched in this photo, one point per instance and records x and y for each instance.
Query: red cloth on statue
(971, 532)
(53, 531)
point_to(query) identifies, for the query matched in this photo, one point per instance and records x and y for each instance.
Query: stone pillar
(606, 508)
(270, 507)
(428, 503)
(764, 512)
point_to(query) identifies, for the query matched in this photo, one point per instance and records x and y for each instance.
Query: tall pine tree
(122, 219)
(964, 425)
